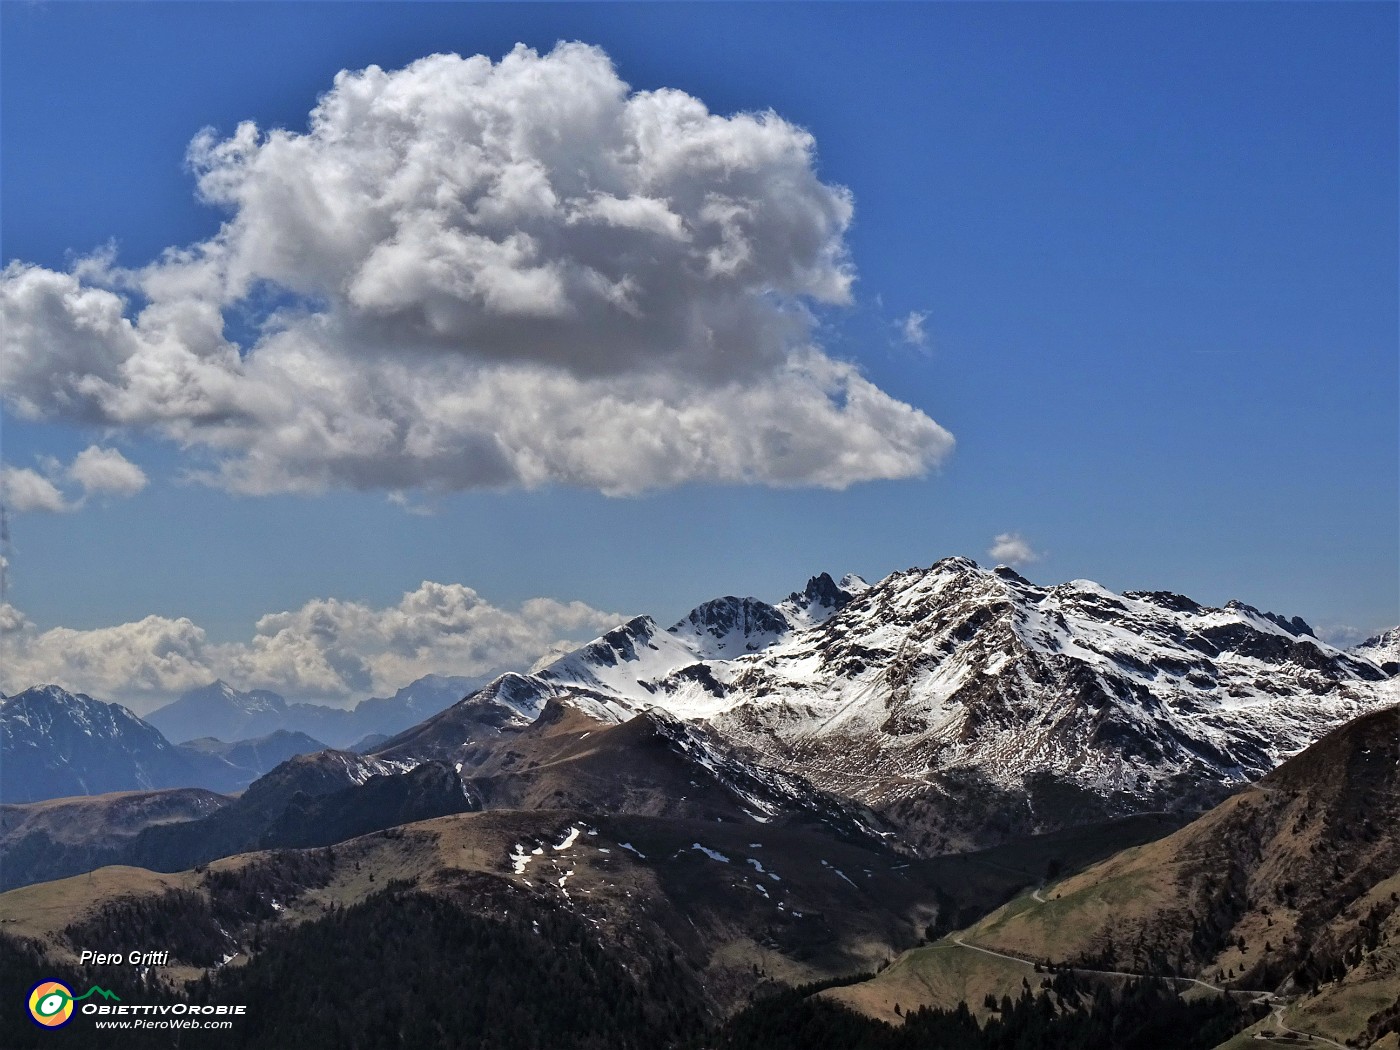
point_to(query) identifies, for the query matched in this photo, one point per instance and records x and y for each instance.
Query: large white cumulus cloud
(516, 273)
(326, 650)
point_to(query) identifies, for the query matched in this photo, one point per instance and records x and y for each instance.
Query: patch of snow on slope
(568, 840)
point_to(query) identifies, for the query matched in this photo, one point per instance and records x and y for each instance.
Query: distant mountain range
(692, 823)
(1283, 895)
(307, 800)
(955, 705)
(961, 704)
(652, 766)
(221, 711)
(54, 743)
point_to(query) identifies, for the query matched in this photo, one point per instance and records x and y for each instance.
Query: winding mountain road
(1277, 1017)
(1278, 1005)
(1116, 973)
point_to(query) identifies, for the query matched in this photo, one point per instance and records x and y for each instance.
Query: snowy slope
(958, 667)
(1383, 650)
(618, 674)
(610, 674)
(889, 692)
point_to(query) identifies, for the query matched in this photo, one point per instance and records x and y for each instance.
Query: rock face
(732, 626)
(965, 704)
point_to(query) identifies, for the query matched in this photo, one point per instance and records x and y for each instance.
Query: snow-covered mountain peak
(43, 707)
(1088, 587)
(887, 692)
(1166, 600)
(1006, 572)
(53, 742)
(1383, 650)
(820, 599)
(952, 563)
(610, 676)
(219, 694)
(955, 667)
(1296, 626)
(821, 590)
(625, 645)
(730, 626)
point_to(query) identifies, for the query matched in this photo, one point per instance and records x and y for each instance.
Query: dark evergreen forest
(1067, 1013)
(426, 971)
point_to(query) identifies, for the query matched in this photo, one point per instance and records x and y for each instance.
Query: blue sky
(1155, 248)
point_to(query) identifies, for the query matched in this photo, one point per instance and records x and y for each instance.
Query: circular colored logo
(51, 1004)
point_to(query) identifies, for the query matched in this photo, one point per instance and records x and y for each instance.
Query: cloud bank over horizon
(485, 275)
(327, 650)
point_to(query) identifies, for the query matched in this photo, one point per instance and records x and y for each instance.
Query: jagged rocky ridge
(965, 704)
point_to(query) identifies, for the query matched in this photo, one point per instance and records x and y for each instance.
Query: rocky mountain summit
(963, 702)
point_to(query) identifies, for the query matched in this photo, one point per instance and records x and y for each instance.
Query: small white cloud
(95, 471)
(107, 472)
(912, 328)
(1011, 548)
(27, 490)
